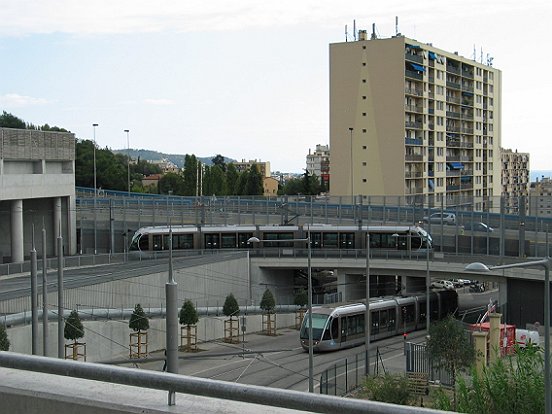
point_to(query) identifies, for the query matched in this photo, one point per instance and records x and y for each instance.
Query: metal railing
(200, 387)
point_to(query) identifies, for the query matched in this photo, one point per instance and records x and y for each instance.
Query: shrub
(231, 307)
(73, 329)
(138, 321)
(301, 298)
(389, 388)
(4, 341)
(188, 314)
(267, 302)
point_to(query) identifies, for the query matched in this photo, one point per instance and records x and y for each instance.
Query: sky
(247, 79)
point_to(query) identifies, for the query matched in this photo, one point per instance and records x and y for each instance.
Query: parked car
(477, 226)
(442, 284)
(458, 283)
(446, 218)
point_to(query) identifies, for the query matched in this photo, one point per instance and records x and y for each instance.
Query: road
(277, 362)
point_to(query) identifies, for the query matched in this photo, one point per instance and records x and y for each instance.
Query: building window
(364, 147)
(363, 80)
(364, 163)
(364, 97)
(364, 131)
(363, 63)
(364, 114)
(364, 180)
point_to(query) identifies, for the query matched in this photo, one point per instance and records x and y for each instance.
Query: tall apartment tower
(515, 179)
(410, 120)
(318, 163)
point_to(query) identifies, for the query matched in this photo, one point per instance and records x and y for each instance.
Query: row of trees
(219, 179)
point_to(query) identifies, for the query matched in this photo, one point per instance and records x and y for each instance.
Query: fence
(418, 360)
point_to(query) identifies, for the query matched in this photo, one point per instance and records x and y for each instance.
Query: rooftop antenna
(374, 31)
(346, 34)
(354, 29)
(396, 25)
(474, 53)
(481, 54)
(489, 59)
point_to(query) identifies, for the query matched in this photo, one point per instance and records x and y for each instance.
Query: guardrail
(202, 387)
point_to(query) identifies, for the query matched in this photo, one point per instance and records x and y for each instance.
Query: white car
(442, 284)
(445, 218)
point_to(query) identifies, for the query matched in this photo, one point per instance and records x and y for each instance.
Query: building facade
(515, 179)
(540, 198)
(262, 166)
(37, 191)
(410, 120)
(318, 163)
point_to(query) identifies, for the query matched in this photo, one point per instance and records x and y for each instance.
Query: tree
(232, 176)
(231, 307)
(513, 384)
(8, 120)
(138, 321)
(4, 341)
(188, 314)
(171, 182)
(254, 182)
(218, 160)
(267, 302)
(190, 175)
(449, 347)
(301, 298)
(73, 329)
(392, 389)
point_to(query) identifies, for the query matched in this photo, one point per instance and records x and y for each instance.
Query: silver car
(446, 218)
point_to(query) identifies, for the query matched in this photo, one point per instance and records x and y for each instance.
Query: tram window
(416, 242)
(383, 241)
(278, 236)
(211, 241)
(391, 319)
(157, 242)
(242, 240)
(408, 313)
(183, 241)
(316, 240)
(402, 242)
(326, 336)
(383, 319)
(228, 241)
(335, 328)
(375, 322)
(144, 242)
(347, 240)
(355, 324)
(330, 240)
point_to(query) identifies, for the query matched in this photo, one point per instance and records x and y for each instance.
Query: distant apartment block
(515, 179)
(166, 166)
(318, 163)
(270, 186)
(37, 187)
(408, 119)
(262, 166)
(540, 198)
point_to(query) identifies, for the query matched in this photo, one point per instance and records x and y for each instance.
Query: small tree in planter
(139, 323)
(4, 341)
(73, 331)
(268, 304)
(188, 316)
(301, 300)
(231, 309)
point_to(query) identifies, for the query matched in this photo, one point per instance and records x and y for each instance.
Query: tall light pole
(427, 283)
(128, 160)
(95, 191)
(367, 325)
(545, 263)
(309, 305)
(352, 181)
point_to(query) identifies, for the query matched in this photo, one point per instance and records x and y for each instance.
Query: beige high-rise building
(515, 179)
(410, 120)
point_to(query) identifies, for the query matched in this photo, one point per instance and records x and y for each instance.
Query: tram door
(343, 320)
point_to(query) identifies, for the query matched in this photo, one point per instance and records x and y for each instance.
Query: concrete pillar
(480, 345)
(341, 284)
(494, 337)
(17, 231)
(58, 231)
(71, 236)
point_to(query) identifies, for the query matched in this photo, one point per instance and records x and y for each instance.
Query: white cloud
(13, 100)
(158, 101)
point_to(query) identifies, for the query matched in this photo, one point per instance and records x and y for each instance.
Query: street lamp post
(128, 160)
(309, 305)
(352, 181)
(545, 263)
(367, 325)
(95, 191)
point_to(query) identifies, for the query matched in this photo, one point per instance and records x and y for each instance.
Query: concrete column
(58, 231)
(480, 345)
(71, 236)
(341, 284)
(17, 231)
(494, 337)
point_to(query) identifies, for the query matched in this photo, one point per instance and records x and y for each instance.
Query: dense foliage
(512, 385)
(301, 298)
(231, 307)
(73, 329)
(393, 389)
(4, 341)
(267, 301)
(188, 314)
(138, 320)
